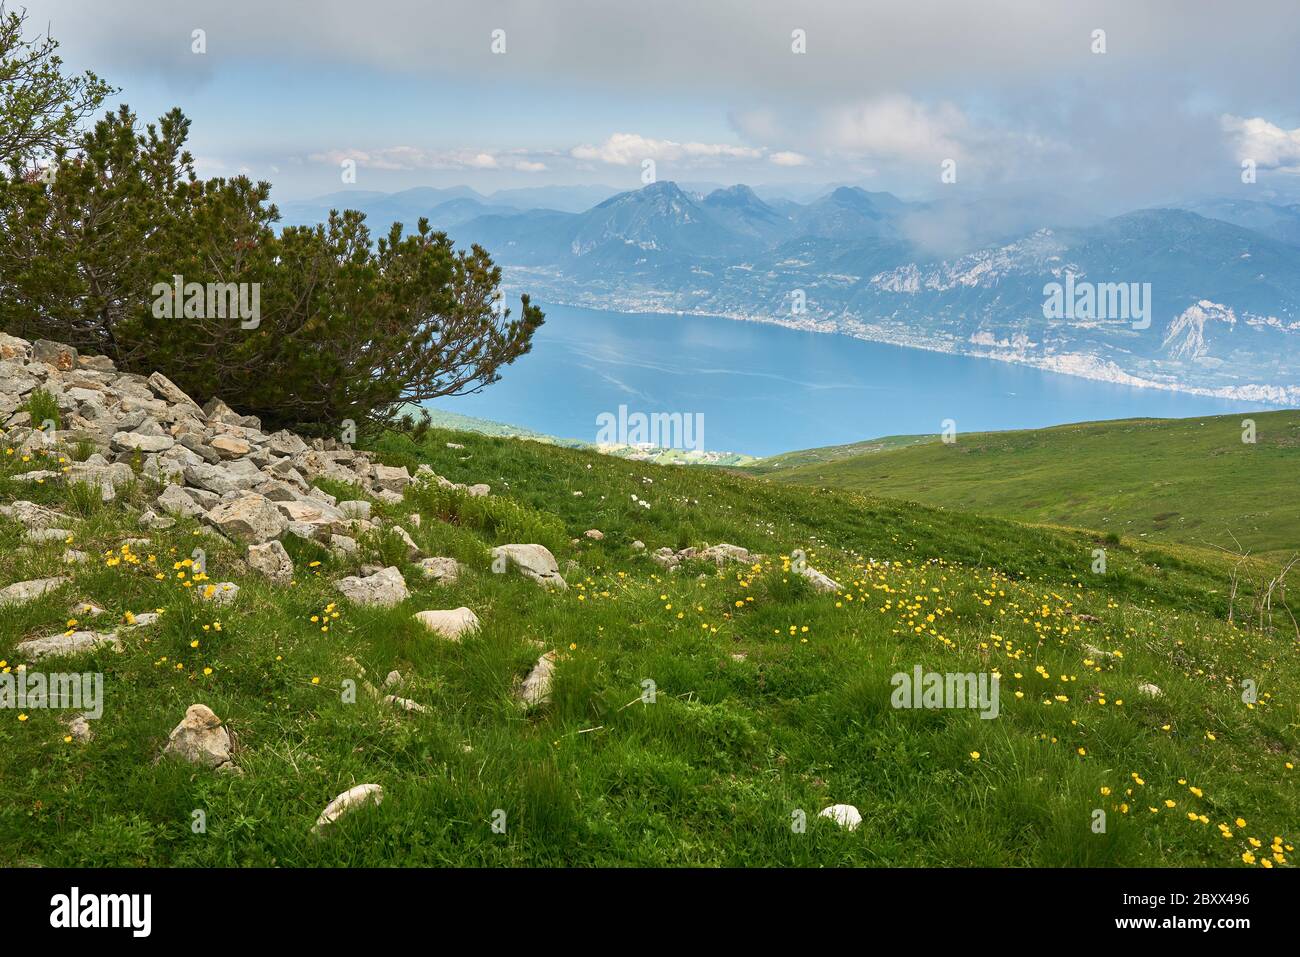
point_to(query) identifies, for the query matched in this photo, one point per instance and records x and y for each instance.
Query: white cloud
(789, 158)
(628, 149)
(394, 158)
(1255, 138)
(897, 127)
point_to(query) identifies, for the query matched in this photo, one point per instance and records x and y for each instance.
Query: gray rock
(532, 561)
(13, 348)
(343, 544)
(169, 391)
(723, 553)
(845, 815)
(54, 354)
(310, 512)
(819, 581)
(155, 522)
(405, 704)
(32, 515)
(412, 550)
(219, 479)
(230, 447)
(444, 570)
(390, 478)
(449, 623)
(196, 445)
(249, 519)
(362, 795)
(76, 643)
(385, 588)
(22, 592)
(285, 443)
(175, 501)
(44, 536)
(355, 508)
(136, 442)
(270, 559)
(535, 690)
(200, 738)
(79, 729)
(222, 593)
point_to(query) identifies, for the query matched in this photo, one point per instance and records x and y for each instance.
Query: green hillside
(771, 700)
(1173, 480)
(834, 453)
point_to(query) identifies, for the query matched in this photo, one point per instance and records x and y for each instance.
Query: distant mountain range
(1223, 275)
(443, 207)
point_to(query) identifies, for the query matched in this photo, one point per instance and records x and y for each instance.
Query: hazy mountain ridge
(1224, 288)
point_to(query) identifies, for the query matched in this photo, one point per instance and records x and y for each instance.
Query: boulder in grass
(200, 738)
(845, 815)
(355, 508)
(819, 581)
(532, 561)
(21, 592)
(535, 690)
(723, 553)
(79, 729)
(450, 623)
(443, 570)
(220, 593)
(270, 559)
(412, 550)
(31, 515)
(384, 588)
(405, 704)
(343, 545)
(350, 800)
(75, 643)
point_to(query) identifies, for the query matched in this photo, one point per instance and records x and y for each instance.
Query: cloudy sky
(1011, 91)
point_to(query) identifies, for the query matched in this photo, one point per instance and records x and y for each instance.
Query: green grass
(43, 408)
(1172, 480)
(717, 768)
(834, 453)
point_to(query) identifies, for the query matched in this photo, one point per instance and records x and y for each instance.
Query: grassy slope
(713, 770)
(662, 455)
(1184, 480)
(834, 453)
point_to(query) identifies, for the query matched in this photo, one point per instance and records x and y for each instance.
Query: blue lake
(764, 389)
